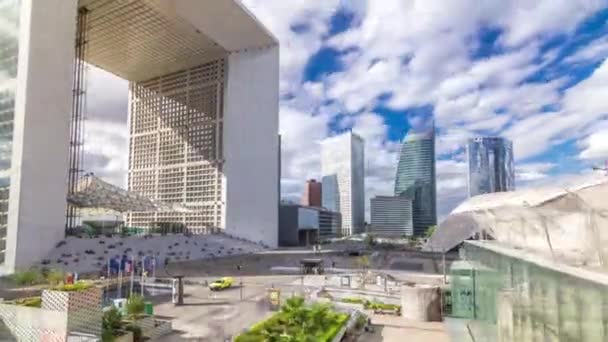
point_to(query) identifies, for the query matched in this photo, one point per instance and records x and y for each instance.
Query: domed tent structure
(563, 223)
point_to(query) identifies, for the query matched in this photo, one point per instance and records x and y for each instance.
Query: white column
(41, 131)
(250, 144)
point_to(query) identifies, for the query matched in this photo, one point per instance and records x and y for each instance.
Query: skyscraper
(312, 193)
(490, 165)
(343, 170)
(416, 178)
(391, 216)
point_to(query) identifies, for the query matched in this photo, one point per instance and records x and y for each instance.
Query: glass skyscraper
(343, 171)
(490, 165)
(415, 179)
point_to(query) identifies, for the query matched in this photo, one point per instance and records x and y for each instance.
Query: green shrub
(54, 277)
(360, 322)
(299, 321)
(135, 305)
(28, 277)
(112, 321)
(77, 286)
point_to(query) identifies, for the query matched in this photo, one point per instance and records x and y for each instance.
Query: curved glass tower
(415, 179)
(490, 165)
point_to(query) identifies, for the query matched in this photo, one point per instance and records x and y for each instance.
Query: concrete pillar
(421, 303)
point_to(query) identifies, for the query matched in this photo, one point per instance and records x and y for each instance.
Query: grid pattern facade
(83, 308)
(175, 151)
(491, 167)
(342, 163)
(416, 179)
(391, 216)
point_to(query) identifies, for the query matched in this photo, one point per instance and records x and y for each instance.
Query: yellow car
(221, 284)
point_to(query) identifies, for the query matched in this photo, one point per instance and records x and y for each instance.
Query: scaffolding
(77, 118)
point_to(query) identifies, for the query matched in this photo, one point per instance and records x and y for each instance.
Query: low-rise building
(302, 225)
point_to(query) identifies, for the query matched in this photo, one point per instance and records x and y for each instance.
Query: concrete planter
(153, 328)
(128, 337)
(83, 308)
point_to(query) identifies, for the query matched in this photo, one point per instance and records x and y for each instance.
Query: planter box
(128, 337)
(83, 308)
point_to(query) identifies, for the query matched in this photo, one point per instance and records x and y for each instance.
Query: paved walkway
(396, 329)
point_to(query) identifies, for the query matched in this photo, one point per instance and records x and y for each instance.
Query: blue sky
(533, 71)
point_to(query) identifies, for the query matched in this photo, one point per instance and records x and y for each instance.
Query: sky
(535, 72)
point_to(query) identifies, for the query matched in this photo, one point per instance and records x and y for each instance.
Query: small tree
(111, 324)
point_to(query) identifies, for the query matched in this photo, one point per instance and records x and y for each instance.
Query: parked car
(221, 284)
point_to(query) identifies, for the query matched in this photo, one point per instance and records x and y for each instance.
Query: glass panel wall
(501, 298)
(9, 50)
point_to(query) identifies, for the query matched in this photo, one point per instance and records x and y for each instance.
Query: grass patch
(35, 276)
(353, 300)
(297, 322)
(28, 277)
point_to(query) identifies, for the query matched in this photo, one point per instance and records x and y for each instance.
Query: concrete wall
(251, 126)
(41, 131)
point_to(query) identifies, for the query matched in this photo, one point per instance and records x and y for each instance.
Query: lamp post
(238, 268)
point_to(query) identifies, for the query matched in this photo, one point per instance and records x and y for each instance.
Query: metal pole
(143, 270)
(132, 275)
(445, 279)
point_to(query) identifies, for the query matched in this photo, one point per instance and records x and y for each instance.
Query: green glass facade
(499, 297)
(415, 179)
(9, 51)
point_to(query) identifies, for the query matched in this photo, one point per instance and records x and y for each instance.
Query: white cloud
(106, 150)
(595, 146)
(296, 47)
(532, 171)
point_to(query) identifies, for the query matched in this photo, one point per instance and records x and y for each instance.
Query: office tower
(203, 114)
(312, 193)
(415, 178)
(391, 216)
(490, 165)
(343, 170)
